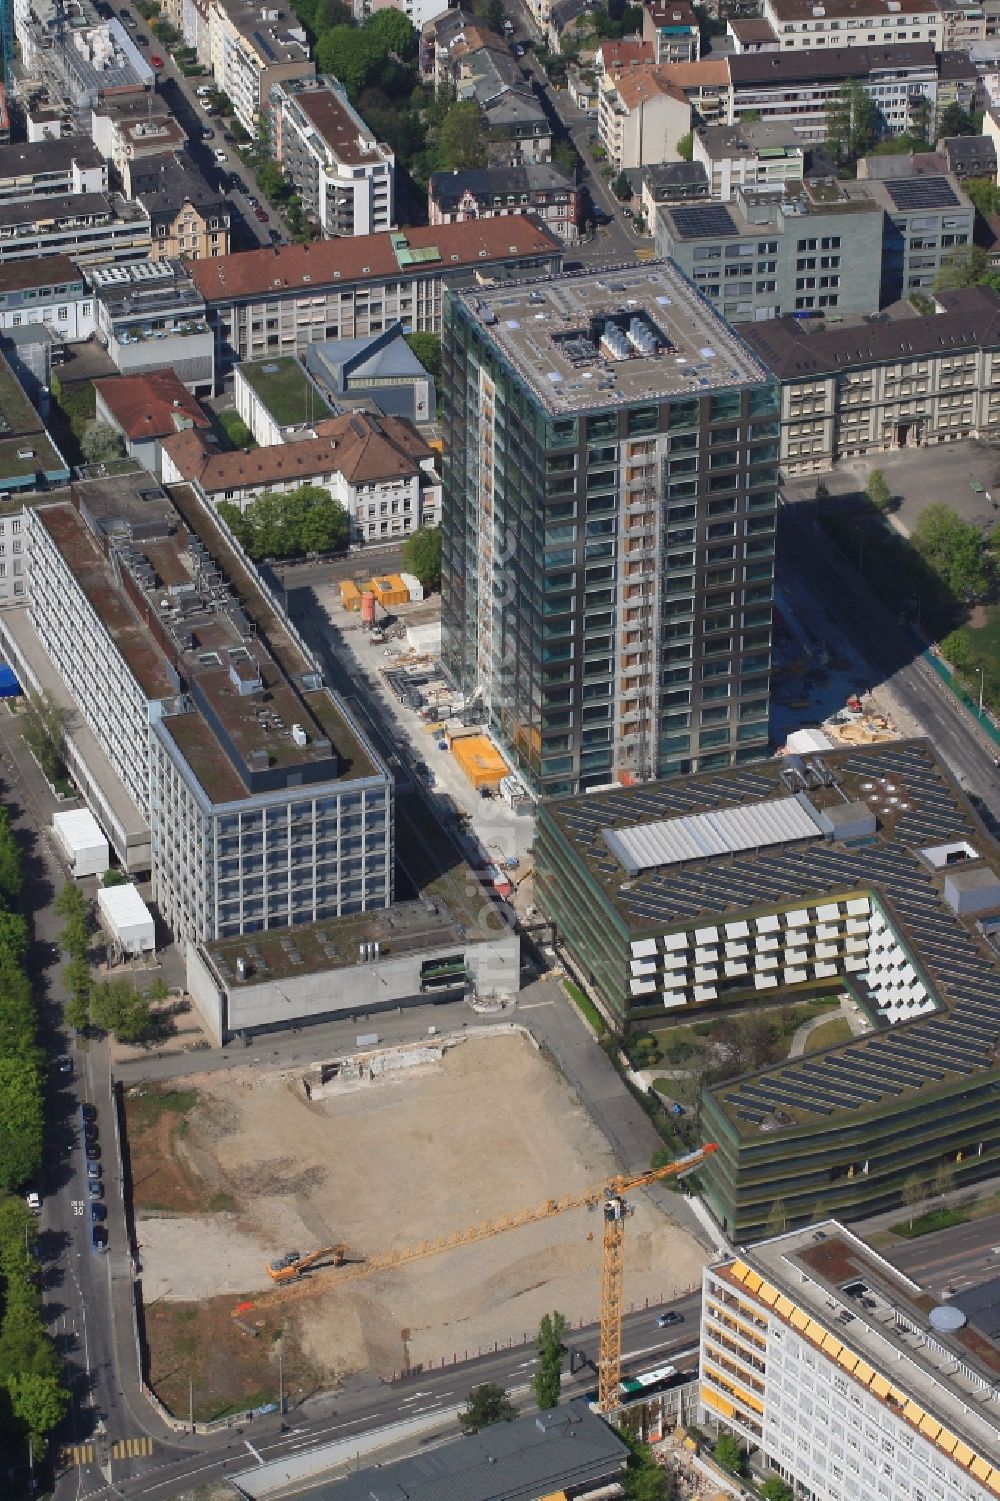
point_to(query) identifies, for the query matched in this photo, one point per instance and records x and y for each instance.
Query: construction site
(239, 1177)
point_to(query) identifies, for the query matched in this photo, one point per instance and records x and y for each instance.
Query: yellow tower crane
(609, 1197)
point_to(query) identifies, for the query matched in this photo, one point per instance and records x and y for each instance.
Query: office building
(279, 301)
(804, 27)
(760, 255)
(848, 1377)
(906, 383)
(927, 218)
(864, 871)
(89, 228)
(609, 502)
(344, 175)
(252, 48)
(150, 315)
(51, 291)
(82, 58)
(266, 808)
(796, 87)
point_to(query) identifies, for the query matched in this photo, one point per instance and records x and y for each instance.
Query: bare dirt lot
(242, 1166)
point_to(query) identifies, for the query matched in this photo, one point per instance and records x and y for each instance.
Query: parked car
(274, 237)
(94, 1172)
(99, 1238)
(221, 156)
(95, 1188)
(263, 216)
(92, 1151)
(204, 91)
(207, 133)
(143, 41)
(669, 1319)
(33, 1200)
(88, 1113)
(677, 1109)
(229, 138)
(518, 49)
(91, 1133)
(98, 1214)
(64, 1063)
(156, 60)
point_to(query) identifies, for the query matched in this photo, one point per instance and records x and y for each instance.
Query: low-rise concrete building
(927, 219)
(761, 154)
(806, 27)
(150, 315)
(379, 373)
(90, 228)
(46, 169)
(669, 182)
(53, 292)
(278, 400)
(127, 130)
(344, 175)
(796, 87)
(542, 189)
(29, 461)
(909, 382)
(146, 408)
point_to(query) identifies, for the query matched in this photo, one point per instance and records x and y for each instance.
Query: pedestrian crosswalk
(77, 1454)
(131, 1448)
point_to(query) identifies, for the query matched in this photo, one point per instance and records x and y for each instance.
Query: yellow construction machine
(292, 1265)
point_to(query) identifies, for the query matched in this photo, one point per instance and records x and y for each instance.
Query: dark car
(88, 1113)
(64, 1063)
(274, 237)
(92, 1151)
(99, 1238)
(98, 1214)
(669, 1319)
(91, 1133)
(95, 1188)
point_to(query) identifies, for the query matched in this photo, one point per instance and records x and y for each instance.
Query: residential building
(278, 400)
(88, 227)
(966, 81)
(478, 65)
(669, 182)
(823, 1357)
(569, 1450)
(759, 154)
(253, 48)
(146, 408)
(265, 805)
(796, 87)
(641, 115)
(379, 468)
(279, 301)
(751, 34)
(29, 459)
(705, 84)
(542, 189)
(28, 351)
(127, 132)
(762, 255)
(344, 176)
(672, 28)
(600, 640)
(47, 169)
(991, 130)
(807, 27)
(581, 86)
(418, 12)
(964, 24)
(811, 882)
(380, 374)
(52, 292)
(927, 218)
(621, 56)
(969, 156)
(569, 25)
(910, 382)
(188, 219)
(150, 315)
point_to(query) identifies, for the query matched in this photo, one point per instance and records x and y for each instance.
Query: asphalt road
(950, 1261)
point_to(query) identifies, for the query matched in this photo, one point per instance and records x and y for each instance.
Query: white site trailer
(127, 919)
(81, 841)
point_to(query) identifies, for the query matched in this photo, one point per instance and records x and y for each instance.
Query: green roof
(21, 459)
(286, 390)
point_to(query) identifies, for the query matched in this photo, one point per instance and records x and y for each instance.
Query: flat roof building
(344, 174)
(682, 898)
(151, 315)
(90, 228)
(601, 641)
(797, 87)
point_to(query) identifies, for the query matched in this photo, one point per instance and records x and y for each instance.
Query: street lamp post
(982, 681)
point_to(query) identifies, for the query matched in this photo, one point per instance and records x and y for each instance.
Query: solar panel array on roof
(922, 192)
(703, 221)
(698, 836)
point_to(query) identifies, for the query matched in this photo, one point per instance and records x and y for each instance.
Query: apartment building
(151, 316)
(641, 115)
(963, 24)
(706, 86)
(253, 48)
(344, 176)
(761, 255)
(146, 408)
(848, 1377)
(129, 132)
(188, 219)
(759, 154)
(912, 382)
(89, 228)
(264, 302)
(863, 871)
(671, 26)
(46, 169)
(542, 189)
(265, 804)
(807, 26)
(52, 292)
(796, 87)
(478, 65)
(81, 57)
(641, 475)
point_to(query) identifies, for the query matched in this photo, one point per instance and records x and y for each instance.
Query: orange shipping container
(350, 595)
(480, 761)
(390, 591)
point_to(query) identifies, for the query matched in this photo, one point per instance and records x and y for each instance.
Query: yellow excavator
(608, 1197)
(292, 1264)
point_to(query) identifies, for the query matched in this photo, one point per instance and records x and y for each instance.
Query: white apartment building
(805, 25)
(252, 47)
(344, 175)
(89, 228)
(825, 1359)
(50, 291)
(265, 805)
(641, 115)
(762, 155)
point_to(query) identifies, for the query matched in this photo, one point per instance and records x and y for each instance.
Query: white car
(221, 156)
(34, 1201)
(204, 92)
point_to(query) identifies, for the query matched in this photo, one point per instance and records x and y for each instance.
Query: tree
(729, 1452)
(566, 156)
(44, 722)
(11, 871)
(394, 33)
(967, 266)
(308, 519)
(14, 937)
(851, 123)
(914, 1193)
(101, 443)
(422, 556)
(943, 1182)
(984, 193)
(39, 1402)
(957, 551)
(427, 348)
(354, 54)
(487, 1404)
(114, 878)
(877, 490)
(116, 1006)
(461, 138)
(21, 1121)
(547, 1379)
(775, 1489)
(955, 121)
(685, 147)
(78, 981)
(777, 1218)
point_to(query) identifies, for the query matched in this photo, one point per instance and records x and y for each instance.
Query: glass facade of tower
(607, 572)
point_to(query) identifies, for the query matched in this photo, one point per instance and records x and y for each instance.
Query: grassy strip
(926, 1224)
(586, 1007)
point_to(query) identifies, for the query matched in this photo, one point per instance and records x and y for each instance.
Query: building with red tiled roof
(378, 468)
(145, 408)
(641, 115)
(615, 57)
(275, 301)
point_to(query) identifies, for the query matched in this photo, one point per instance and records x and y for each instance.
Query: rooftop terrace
(599, 339)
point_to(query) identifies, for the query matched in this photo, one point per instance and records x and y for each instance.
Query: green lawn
(829, 1035)
(926, 1224)
(236, 429)
(586, 1007)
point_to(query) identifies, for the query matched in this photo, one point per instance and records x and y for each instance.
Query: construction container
(480, 761)
(127, 919)
(82, 842)
(390, 591)
(350, 595)
(368, 608)
(415, 587)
